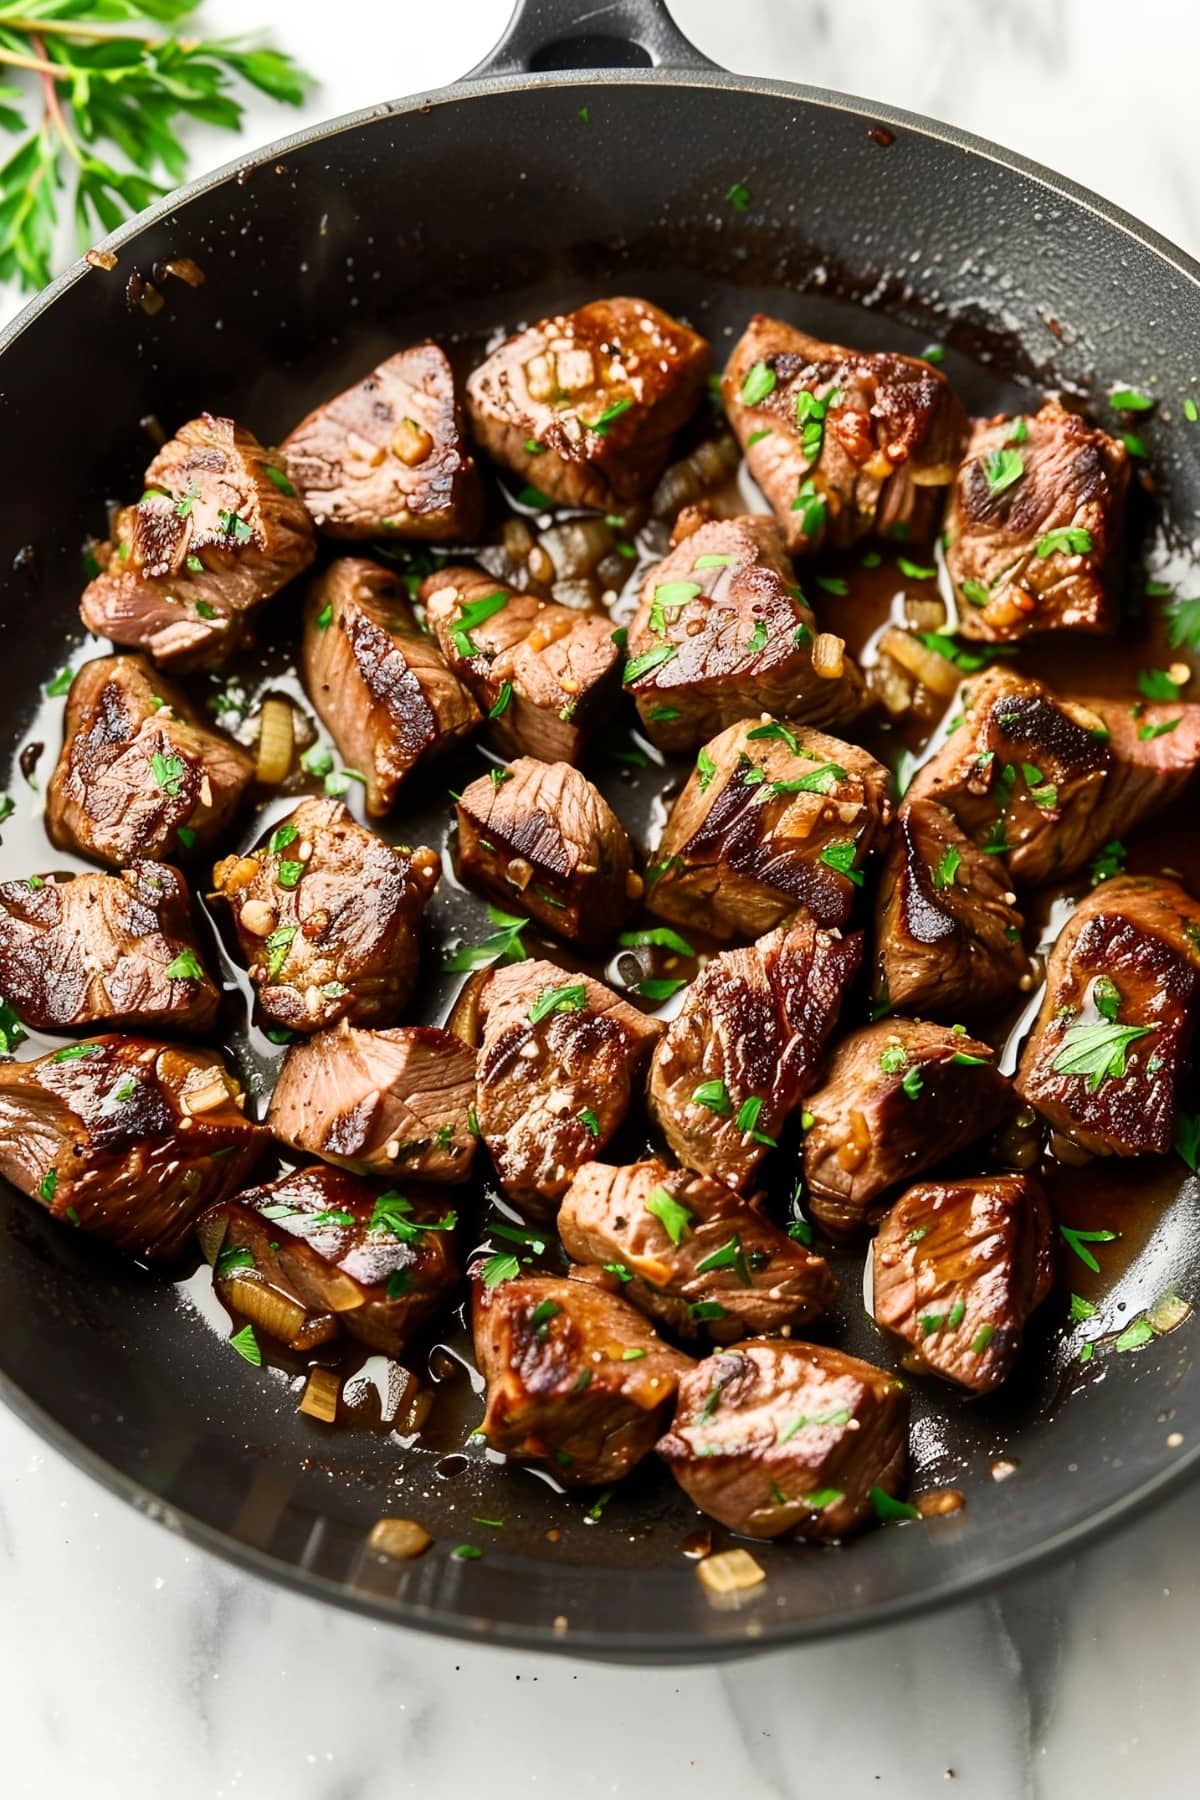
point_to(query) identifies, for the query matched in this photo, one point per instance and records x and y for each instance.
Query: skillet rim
(675, 1648)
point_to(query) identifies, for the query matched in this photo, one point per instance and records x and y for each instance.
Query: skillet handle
(613, 34)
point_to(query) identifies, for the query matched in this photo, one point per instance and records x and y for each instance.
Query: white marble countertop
(131, 1664)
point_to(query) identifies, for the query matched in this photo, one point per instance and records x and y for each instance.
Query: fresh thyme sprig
(98, 84)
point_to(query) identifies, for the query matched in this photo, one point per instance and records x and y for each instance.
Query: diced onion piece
(273, 1312)
(184, 268)
(937, 673)
(828, 656)
(276, 741)
(320, 1397)
(939, 1502)
(205, 1099)
(402, 1538)
(1168, 1312)
(517, 539)
(730, 1572)
(101, 259)
(924, 614)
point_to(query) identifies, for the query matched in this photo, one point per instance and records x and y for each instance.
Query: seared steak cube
(788, 1440)
(775, 820)
(139, 776)
(576, 1379)
(377, 681)
(747, 1046)
(723, 633)
(556, 1071)
(388, 455)
(218, 530)
(958, 1266)
(541, 836)
(322, 1244)
(393, 1103)
(584, 406)
(843, 443)
(948, 934)
(1036, 526)
(1107, 1062)
(1045, 782)
(542, 674)
(694, 1256)
(326, 916)
(125, 1138)
(900, 1096)
(113, 950)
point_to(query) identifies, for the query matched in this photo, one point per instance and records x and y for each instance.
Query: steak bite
(388, 455)
(1046, 781)
(542, 674)
(695, 1257)
(747, 1046)
(775, 1439)
(843, 443)
(723, 633)
(326, 916)
(957, 1268)
(584, 405)
(556, 1073)
(541, 836)
(948, 934)
(774, 821)
(218, 530)
(139, 777)
(126, 1138)
(900, 1096)
(319, 1249)
(1036, 526)
(113, 950)
(575, 1377)
(392, 1103)
(1107, 1061)
(377, 681)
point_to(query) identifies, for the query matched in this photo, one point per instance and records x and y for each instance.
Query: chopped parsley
(471, 616)
(1002, 468)
(943, 872)
(840, 857)
(1109, 861)
(277, 946)
(168, 772)
(659, 987)
(246, 1345)
(671, 1215)
(649, 660)
(609, 416)
(706, 768)
(760, 381)
(571, 998)
(811, 506)
(729, 1256)
(1066, 540)
(660, 936)
(714, 1096)
(739, 196)
(186, 967)
(1097, 1051)
(1078, 1241)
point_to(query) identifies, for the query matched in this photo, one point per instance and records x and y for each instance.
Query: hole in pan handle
(607, 34)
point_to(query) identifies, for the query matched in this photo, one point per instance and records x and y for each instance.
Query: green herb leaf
(714, 1096)
(888, 1509)
(1109, 861)
(502, 1267)
(1187, 1139)
(974, 592)
(760, 381)
(1077, 1241)
(1081, 1309)
(587, 1117)
(841, 858)
(674, 1218)
(916, 571)
(1097, 1051)
(571, 998)
(168, 772)
(1135, 445)
(1066, 540)
(729, 1256)
(912, 1085)
(246, 1345)
(609, 416)
(946, 869)
(659, 987)
(757, 640)
(1130, 400)
(649, 659)
(502, 700)
(738, 196)
(277, 946)
(186, 967)
(1002, 468)
(662, 936)
(1156, 684)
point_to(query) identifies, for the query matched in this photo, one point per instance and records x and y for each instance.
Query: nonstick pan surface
(455, 215)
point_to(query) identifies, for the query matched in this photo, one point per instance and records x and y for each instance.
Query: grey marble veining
(134, 1666)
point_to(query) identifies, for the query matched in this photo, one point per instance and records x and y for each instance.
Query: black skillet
(491, 202)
